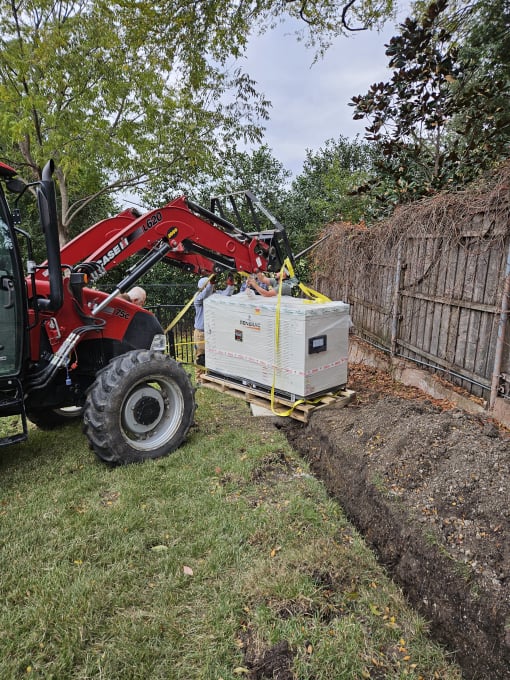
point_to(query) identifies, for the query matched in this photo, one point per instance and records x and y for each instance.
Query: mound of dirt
(428, 486)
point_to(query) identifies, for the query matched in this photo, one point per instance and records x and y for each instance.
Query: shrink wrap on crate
(299, 346)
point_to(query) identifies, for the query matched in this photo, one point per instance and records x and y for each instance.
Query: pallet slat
(281, 406)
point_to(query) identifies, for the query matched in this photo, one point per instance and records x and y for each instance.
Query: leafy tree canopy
(257, 171)
(441, 120)
(325, 189)
(119, 93)
(105, 88)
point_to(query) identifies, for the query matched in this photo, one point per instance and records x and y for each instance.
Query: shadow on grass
(45, 447)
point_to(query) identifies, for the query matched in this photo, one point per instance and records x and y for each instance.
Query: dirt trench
(428, 486)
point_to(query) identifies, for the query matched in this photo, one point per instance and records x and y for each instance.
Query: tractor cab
(13, 313)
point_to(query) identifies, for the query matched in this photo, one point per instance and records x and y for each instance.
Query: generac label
(248, 323)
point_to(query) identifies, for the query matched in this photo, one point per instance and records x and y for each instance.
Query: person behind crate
(268, 286)
(230, 287)
(136, 295)
(257, 274)
(206, 287)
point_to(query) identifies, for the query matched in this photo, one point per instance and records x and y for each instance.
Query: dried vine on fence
(472, 218)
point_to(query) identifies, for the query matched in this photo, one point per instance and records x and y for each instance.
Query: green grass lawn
(203, 565)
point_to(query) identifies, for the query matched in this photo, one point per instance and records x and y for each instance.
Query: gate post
(501, 335)
(396, 299)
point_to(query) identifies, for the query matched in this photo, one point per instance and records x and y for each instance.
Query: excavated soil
(428, 486)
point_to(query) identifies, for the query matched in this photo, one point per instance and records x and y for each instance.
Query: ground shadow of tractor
(46, 448)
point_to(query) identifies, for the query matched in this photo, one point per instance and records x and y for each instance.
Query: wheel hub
(143, 410)
(146, 410)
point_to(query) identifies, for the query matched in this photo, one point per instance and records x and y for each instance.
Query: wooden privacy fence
(431, 284)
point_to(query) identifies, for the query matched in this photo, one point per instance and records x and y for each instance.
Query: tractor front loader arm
(194, 243)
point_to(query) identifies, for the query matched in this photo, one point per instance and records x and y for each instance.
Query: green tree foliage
(166, 285)
(257, 171)
(440, 121)
(326, 189)
(115, 95)
(482, 94)
(124, 94)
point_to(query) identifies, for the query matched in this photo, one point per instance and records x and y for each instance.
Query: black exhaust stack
(47, 203)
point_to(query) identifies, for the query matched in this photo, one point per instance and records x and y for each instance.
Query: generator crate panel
(297, 346)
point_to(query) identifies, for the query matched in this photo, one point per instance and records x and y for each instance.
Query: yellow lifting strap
(313, 296)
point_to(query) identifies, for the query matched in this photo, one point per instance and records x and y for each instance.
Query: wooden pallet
(281, 406)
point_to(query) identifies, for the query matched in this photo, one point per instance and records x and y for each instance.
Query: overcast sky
(310, 101)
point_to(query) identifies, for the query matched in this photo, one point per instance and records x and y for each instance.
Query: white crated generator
(297, 346)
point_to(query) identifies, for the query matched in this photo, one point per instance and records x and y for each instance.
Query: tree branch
(119, 184)
(344, 14)
(346, 8)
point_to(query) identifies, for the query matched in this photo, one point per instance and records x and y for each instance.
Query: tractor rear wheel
(141, 406)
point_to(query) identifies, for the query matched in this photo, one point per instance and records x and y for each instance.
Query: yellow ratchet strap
(277, 346)
(314, 296)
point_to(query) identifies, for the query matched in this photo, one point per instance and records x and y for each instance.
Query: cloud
(310, 101)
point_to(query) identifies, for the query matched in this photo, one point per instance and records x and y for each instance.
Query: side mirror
(16, 185)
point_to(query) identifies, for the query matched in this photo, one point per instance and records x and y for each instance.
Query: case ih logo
(113, 252)
(124, 242)
(108, 257)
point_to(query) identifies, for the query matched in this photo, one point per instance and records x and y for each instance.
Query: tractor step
(14, 439)
(13, 417)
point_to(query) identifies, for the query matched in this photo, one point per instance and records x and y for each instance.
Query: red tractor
(69, 350)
